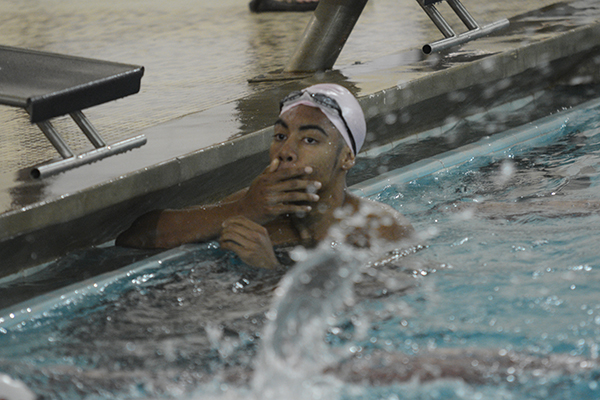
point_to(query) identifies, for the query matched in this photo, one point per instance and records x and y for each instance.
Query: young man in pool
(296, 199)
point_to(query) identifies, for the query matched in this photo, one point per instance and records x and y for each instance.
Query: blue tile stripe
(535, 134)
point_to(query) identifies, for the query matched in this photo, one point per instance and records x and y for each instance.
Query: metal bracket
(451, 38)
(71, 160)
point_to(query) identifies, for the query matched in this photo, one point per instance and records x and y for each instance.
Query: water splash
(11, 389)
(294, 354)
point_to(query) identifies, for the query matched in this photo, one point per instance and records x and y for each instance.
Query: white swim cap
(339, 106)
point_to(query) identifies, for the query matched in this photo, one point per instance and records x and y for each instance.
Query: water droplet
(390, 119)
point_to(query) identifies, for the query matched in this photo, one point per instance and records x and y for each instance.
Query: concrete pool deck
(193, 157)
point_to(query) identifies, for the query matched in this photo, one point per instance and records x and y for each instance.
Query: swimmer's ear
(348, 158)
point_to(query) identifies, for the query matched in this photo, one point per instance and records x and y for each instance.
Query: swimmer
(296, 199)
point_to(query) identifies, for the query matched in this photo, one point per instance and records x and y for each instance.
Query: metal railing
(451, 38)
(333, 21)
(71, 160)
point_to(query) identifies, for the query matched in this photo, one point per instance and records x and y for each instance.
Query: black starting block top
(48, 85)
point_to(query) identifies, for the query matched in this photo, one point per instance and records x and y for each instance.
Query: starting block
(49, 85)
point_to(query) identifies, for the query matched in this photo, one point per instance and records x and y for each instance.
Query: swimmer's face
(305, 137)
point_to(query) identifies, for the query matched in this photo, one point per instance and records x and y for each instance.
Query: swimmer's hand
(250, 241)
(278, 191)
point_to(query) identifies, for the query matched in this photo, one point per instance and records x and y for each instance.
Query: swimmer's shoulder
(379, 210)
(392, 224)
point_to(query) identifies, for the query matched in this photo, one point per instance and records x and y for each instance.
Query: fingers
(273, 166)
(289, 178)
(249, 240)
(281, 174)
(294, 172)
(298, 184)
(294, 191)
(292, 198)
(298, 209)
(287, 186)
(235, 244)
(243, 231)
(280, 191)
(243, 250)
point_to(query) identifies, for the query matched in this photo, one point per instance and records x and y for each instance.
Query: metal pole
(463, 14)
(86, 126)
(91, 156)
(465, 37)
(325, 35)
(437, 19)
(54, 137)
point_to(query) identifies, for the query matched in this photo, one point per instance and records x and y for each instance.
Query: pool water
(501, 301)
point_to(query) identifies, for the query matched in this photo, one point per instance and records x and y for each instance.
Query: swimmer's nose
(287, 158)
(287, 154)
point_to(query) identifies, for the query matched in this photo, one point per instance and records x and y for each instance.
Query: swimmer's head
(338, 105)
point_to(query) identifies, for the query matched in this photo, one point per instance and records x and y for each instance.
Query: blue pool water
(502, 301)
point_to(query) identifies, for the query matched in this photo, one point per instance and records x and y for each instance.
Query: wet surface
(196, 56)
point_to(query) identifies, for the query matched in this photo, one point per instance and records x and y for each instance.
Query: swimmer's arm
(274, 192)
(164, 229)
(399, 229)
